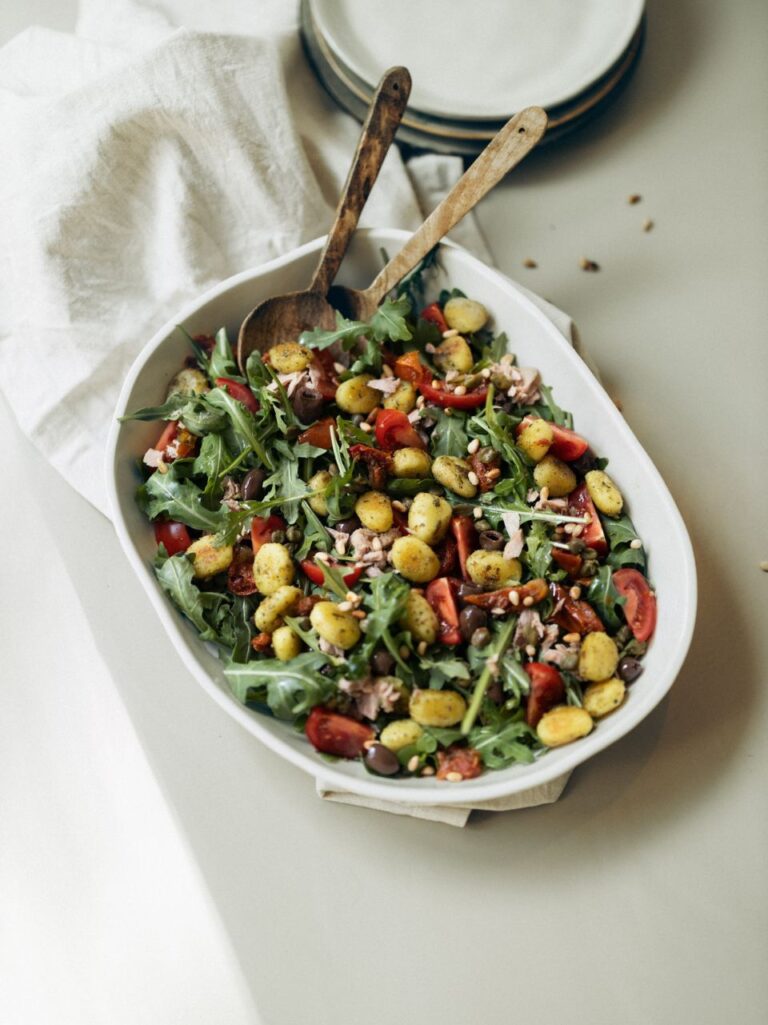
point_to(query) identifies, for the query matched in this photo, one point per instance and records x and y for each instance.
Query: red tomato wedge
(434, 314)
(439, 594)
(173, 535)
(463, 529)
(593, 535)
(450, 400)
(566, 445)
(319, 433)
(410, 368)
(175, 442)
(547, 690)
(395, 430)
(336, 734)
(262, 527)
(311, 570)
(640, 607)
(239, 391)
(568, 561)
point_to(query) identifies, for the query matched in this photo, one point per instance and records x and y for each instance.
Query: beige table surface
(641, 896)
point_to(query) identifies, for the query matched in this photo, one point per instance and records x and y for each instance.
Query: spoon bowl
(284, 317)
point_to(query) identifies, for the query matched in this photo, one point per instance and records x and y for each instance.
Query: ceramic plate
(538, 343)
(482, 60)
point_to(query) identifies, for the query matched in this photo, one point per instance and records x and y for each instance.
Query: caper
(623, 636)
(569, 661)
(482, 525)
(576, 546)
(278, 536)
(480, 637)
(294, 533)
(305, 623)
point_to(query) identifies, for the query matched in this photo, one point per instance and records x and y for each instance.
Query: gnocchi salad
(396, 540)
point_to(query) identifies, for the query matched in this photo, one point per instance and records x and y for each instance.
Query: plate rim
(331, 44)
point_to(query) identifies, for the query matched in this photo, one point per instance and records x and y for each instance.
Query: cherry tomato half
(434, 314)
(311, 570)
(463, 529)
(395, 430)
(173, 535)
(547, 690)
(409, 367)
(593, 534)
(239, 391)
(336, 734)
(566, 444)
(640, 606)
(450, 400)
(175, 442)
(262, 527)
(439, 594)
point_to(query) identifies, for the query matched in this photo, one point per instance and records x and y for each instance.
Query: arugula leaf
(192, 410)
(388, 322)
(385, 605)
(605, 599)
(500, 746)
(242, 624)
(286, 483)
(449, 437)
(620, 533)
(179, 498)
(202, 608)
(559, 416)
(171, 409)
(444, 670)
(333, 579)
(291, 689)
(242, 422)
(315, 534)
(538, 549)
(496, 428)
(211, 462)
(346, 330)
(399, 486)
(222, 361)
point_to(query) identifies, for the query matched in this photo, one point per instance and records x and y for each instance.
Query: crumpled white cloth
(145, 162)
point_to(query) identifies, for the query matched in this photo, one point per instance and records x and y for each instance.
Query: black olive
(584, 463)
(252, 485)
(381, 760)
(348, 526)
(466, 587)
(629, 669)
(480, 637)
(307, 404)
(471, 618)
(492, 541)
(382, 663)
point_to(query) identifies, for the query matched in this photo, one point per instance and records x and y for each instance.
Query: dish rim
(488, 787)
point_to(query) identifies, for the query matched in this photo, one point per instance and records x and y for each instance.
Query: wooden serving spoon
(507, 148)
(283, 317)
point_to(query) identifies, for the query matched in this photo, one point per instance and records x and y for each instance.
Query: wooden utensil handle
(379, 129)
(516, 139)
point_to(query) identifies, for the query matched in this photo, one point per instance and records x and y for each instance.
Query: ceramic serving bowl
(537, 343)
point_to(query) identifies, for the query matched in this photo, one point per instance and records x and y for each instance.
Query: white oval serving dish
(537, 343)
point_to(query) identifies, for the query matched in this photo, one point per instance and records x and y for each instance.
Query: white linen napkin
(143, 164)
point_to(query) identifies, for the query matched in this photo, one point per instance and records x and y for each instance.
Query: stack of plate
(475, 64)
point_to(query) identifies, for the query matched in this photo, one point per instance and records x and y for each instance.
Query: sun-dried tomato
(488, 471)
(240, 573)
(378, 463)
(574, 615)
(446, 553)
(261, 642)
(466, 761)
(534, 589)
